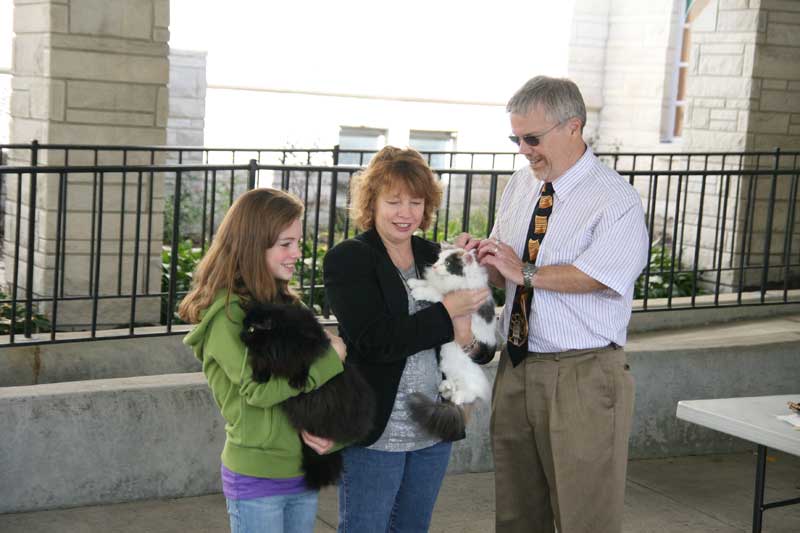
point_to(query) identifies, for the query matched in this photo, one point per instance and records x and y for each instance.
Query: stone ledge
(109, 44)
(160, 436)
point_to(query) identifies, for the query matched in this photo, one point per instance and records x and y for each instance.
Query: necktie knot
(548, 189)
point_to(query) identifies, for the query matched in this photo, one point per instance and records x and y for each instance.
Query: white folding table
(751, 419)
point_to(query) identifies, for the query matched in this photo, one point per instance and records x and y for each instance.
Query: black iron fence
(107, 250)
(66, 154)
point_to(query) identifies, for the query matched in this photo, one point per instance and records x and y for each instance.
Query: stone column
(90, 72)
(187, 99)
(744, 95)
(185, 126)
(773, 120)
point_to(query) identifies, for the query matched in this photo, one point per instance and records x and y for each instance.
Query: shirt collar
(574, 174)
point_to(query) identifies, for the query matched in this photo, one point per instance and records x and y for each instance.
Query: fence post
(768, 227)
(251, 174)
(173, 254)
(31, 238)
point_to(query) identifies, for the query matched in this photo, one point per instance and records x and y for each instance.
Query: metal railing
(65, 154)
(718, 227)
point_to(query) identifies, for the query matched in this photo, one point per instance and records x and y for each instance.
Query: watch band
(528, 271)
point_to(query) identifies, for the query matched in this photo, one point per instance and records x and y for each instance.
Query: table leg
(758, 504)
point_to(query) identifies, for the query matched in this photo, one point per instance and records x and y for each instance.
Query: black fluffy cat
(283, 341)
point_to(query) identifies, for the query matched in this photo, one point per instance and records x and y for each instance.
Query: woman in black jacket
(391, 479)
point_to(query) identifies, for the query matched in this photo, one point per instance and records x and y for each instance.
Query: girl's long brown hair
(236, 262)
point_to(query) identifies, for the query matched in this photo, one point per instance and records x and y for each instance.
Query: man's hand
(318, 444)
(502, 257)
(466, 241)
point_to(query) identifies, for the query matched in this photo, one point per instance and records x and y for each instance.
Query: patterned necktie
(517, 345)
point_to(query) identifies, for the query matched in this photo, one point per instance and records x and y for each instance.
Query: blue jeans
(390, 491)
(291, 513)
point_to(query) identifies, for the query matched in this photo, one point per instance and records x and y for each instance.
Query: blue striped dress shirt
(597, 225)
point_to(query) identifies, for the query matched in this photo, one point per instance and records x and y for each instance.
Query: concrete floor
(706, 494)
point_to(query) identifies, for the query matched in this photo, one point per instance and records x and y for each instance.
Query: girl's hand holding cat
(465, 301)
(320, 445)
(338, 345)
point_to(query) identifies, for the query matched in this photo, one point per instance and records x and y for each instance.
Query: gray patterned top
(421, 374)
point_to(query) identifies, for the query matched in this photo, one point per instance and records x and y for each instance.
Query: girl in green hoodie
(252, 258)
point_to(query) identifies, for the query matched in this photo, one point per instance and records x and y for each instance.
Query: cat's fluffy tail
(444, 420)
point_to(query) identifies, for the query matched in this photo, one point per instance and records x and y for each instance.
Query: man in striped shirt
(569, 242)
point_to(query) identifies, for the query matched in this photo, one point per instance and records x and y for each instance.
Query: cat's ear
(469, 257)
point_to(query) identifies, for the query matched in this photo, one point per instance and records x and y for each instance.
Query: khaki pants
(560, 428)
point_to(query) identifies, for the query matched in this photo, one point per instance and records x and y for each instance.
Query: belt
(557, 356)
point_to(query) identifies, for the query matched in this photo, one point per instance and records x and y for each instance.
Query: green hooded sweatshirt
(260, 441)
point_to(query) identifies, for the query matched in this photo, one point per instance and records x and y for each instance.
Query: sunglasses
(532, 140)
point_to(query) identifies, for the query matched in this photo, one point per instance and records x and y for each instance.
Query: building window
(434, 141)
(358, 145)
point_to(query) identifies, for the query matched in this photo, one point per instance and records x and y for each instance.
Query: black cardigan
(370, 302)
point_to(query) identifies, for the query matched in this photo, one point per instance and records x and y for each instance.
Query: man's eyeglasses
(533, 140)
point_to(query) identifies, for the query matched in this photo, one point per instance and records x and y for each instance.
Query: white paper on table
(794, 420)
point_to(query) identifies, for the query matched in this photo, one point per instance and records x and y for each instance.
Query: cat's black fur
(284, 341)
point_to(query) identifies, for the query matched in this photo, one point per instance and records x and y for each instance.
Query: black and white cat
(464, 381)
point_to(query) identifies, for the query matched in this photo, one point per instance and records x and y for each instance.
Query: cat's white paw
(457, 397)
(415, 283)
(426, 294)
(446, 389)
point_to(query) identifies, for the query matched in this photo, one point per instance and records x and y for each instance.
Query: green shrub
(39, 322)
(303, 275)
(660, 278)
(188, 258)
(477, 226)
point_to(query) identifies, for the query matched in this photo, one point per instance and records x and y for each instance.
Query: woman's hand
(465, 301)
(338, 344)
(320, 445)
(462, 328)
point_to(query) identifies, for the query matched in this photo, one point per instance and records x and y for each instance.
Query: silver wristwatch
(528, 271)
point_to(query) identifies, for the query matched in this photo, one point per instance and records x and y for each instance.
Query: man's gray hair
(560, 99)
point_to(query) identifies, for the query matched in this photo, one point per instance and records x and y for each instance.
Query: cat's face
(456, 262)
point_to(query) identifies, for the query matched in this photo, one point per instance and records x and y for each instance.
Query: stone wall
(5, 105)
(587, 57)
(637, 84)
(774, 118)
(5, 119)
(744, 95)
(110, 440)
(721, 84)
(90, 72)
